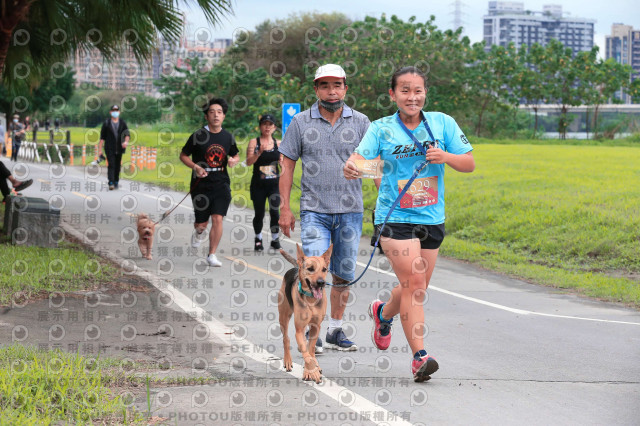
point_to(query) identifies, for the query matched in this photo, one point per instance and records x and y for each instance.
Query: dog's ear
(327, 254)
(300, 255)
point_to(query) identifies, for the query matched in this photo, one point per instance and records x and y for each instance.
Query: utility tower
(457, 13)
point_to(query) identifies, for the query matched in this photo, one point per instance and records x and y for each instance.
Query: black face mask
(332, 106)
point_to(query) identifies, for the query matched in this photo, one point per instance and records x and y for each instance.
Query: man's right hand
(287, 221)
(200, 172)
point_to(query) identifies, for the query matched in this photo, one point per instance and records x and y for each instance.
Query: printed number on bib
(269, 172)
(423, 192)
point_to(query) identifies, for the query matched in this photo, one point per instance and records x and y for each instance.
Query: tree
(488, 78)
(632, 88)
(54, 91)
(568, 77)
(51, 94)
(284, 46)
(528, 83)
(248, 93)
(35, 35)
(605, 78)
(371, 50)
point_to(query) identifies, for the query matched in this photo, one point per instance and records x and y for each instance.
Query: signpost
(288, 111)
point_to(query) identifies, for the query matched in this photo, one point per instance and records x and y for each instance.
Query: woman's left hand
(436, 156)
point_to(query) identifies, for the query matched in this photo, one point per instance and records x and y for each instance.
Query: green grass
(27, 271)
(558, 213)
(50, 387)
(565, 216)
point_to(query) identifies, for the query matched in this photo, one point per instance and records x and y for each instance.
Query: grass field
(559, 213)
(55, 387)
(27, 271)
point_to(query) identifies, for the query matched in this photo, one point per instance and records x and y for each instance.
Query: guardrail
(142, 157)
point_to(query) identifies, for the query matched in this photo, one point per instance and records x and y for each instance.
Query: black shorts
(206, 204)
(430, 236)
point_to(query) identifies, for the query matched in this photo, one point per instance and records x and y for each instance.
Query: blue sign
(288, 111)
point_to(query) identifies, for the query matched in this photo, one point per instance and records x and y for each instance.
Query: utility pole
(457, 14)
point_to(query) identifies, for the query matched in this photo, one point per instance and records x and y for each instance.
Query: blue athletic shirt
(424, 202)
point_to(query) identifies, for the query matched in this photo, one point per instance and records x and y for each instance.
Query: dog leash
(167, 213)
(402, 193)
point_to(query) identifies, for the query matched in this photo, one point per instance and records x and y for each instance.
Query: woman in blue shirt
(415, 229)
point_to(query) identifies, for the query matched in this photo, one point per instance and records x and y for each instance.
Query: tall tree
(36, 34)
(284, 46)
(568, 76)
(605, 78)
(372, 49)
(249, 93)
(488, 78)
(529, 84)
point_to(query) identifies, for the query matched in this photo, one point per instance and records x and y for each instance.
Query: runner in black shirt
(211, 149)
(263, 153)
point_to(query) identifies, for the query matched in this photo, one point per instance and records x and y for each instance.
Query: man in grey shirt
(331, 209)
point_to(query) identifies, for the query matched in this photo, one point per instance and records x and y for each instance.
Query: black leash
(402, 193)
(166, 214)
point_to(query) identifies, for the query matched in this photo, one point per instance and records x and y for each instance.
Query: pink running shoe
(423, 368)
(381, 333)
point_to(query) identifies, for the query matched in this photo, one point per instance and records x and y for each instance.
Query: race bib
(423, 192)
(370, 168)
(269, 172)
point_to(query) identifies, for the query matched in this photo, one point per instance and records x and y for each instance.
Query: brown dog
(146, 229)
(302, 295)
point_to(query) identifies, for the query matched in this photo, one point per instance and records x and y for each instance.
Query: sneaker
(23, 185)
(337, 340)
(116, 184)
(197, 239)
(381, 333)
(423, 368)
(257, 246)
(319, 348)
(275, 244)
(111, 187)
(213, 260)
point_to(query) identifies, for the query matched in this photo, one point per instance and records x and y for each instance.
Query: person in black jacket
(263, 154)
(114, 137)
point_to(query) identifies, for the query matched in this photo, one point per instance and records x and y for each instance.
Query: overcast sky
(249, 13)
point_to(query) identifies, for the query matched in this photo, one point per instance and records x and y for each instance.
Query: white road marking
(462, 296)
(503, 307)
(355, 402)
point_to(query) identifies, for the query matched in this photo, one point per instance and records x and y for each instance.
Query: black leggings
(4, 174)
(259, 195)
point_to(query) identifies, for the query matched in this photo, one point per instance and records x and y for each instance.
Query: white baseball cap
(330, 70)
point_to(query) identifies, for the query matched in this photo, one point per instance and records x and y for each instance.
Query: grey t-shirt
(323, 150)
(114, 127)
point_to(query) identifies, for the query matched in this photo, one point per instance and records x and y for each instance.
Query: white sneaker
(213, 260)
(197, 239)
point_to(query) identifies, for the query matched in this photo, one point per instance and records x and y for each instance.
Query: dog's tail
(143, 216)
(288, 257)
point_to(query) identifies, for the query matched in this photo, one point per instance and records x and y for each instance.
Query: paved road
(509, 352)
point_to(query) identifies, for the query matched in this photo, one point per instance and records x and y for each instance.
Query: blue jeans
(319, 230)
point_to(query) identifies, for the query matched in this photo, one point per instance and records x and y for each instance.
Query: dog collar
(303, 292)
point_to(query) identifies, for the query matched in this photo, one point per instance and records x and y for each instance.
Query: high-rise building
(125, 73)
(510, 22)
(623, 45)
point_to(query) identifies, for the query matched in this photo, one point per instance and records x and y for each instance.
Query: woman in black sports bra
(263, 154)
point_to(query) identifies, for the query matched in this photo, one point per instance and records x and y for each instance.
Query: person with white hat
(331, 207)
